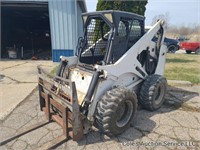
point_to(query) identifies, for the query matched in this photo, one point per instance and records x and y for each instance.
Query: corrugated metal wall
(64, 16)
(79, 22)
(65, 24)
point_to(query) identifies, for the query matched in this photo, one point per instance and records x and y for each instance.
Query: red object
(34, 58)
(190, 46)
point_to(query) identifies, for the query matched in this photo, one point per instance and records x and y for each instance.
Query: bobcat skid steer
(116, 67)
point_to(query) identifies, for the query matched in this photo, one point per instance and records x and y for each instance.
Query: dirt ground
(175, 126)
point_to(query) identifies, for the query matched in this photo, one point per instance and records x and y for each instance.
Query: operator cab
(108, 35)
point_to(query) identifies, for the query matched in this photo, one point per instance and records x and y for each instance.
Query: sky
(180, 12)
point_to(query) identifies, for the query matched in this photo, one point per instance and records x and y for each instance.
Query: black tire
(197, 51)
(62, 70)
(152, 92)
(172, 48)
(188, 51)
(115, 111)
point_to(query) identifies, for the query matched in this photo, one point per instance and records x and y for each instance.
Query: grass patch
(183, 67)
(179, 60)
(54, 70)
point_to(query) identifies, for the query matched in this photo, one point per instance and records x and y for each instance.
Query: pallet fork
(59, 104)
(58, 99)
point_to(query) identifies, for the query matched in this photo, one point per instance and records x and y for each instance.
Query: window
(135, 32)
(122, 29)
(96, 37)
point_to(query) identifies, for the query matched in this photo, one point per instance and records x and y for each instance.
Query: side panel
(126, 79)
(129, 62)
(190, 45)
(161, 61)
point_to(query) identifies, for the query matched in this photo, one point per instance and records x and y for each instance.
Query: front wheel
(152, 92)
(115, 111)
(188, 51)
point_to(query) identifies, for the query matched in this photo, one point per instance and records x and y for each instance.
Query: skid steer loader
(116, 67)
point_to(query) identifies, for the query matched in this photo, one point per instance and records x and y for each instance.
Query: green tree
(133, 6)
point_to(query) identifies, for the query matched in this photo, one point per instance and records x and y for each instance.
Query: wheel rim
(124, 113)
(172, 49)
(159, 94)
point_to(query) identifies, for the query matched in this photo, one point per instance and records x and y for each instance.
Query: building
(44, 29)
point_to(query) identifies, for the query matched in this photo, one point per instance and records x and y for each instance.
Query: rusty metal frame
(58, 99)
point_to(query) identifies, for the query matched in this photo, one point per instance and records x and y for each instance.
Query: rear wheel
(115, 111)
(171, 48)
(152, 92)
(188, 51)
(197, 51)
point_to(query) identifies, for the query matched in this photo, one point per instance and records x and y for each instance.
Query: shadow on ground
(143, 124)
(146, 121)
